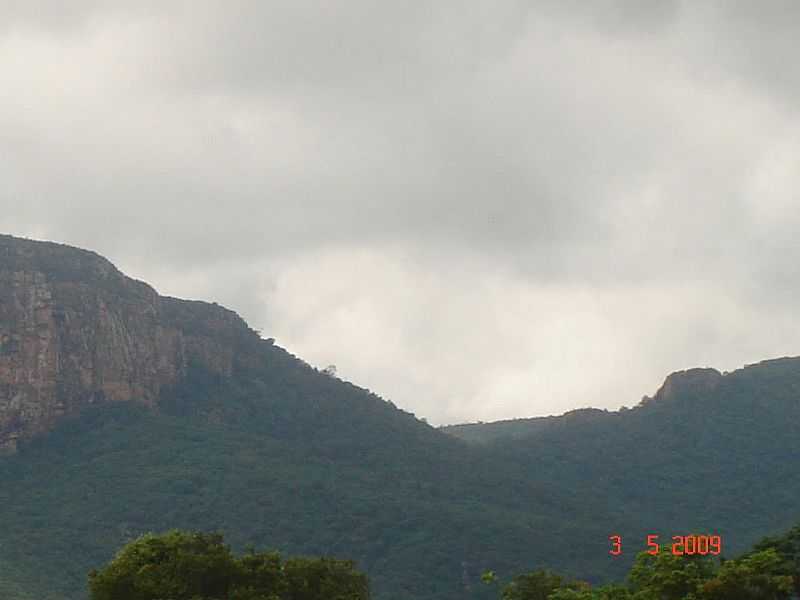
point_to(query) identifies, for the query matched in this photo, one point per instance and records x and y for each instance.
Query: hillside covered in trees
(199, 566)
(156, 413)
(707, 452)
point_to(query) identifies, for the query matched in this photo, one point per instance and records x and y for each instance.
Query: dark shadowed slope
(133, 412)
(707, 452)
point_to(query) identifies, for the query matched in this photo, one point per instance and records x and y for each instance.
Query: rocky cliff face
(74, 330)
(691, 381)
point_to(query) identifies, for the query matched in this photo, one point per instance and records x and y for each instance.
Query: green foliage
(666, 576)
(178, 565)
(546, 585)
(323, 579)
(677, 463)
(536, 585)
(755, 577)
(485, 433)
(612, 592)
(282, 456)
(787, 547)
(572, 594)
(259, 576)
(197, 566)
(489, 577)
(543, 584)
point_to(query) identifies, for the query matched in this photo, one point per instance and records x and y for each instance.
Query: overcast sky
(479, 210)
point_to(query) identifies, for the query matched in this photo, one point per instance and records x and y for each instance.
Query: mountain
(74, 331)
(123, 411)
(483, 433)
(708, 452)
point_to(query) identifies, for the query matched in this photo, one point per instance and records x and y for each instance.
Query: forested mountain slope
(710, 452)
(483, 433)
(122, 412)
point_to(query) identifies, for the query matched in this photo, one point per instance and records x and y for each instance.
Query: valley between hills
(123, 411)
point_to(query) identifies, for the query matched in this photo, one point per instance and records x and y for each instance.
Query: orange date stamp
(682, 545)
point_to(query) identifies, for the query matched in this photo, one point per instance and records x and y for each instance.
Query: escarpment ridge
(74, 330)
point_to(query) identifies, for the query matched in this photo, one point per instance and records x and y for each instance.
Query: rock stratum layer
(74, 331)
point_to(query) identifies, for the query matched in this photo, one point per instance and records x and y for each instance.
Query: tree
(259, 577)
(198, 566)
(324, 579)
(176, 565)
(787, 546)
(573, 593)
(666, 576)
(585, 592)
(613, 592)
(768, 572)
(540, 585)
(758, 576)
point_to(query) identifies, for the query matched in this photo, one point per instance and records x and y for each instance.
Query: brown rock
(74, 330)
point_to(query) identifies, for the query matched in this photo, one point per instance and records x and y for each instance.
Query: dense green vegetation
(182, 565)
(285, 458)
(770, 571)
(289, 458)
(759, 576)
(199, 566)
(707, 453)
(483, 433)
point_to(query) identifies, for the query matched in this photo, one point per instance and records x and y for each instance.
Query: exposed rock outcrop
(74, 330)
(691, 380)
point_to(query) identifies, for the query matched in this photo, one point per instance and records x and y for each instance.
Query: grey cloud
(583, 184)
(43, 14)
(620, 16)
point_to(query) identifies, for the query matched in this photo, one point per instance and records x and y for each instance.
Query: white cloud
(494, 210)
